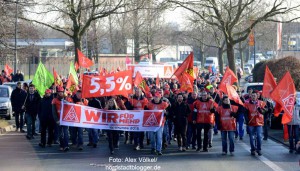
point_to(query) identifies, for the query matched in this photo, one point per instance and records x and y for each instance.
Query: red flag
(84, 61)
(285, 95)
(57, 79)
(157, 81)
(277, 109)
(269, 84)
(232, 94)
(127, 60)
(186, 66)
(7, 69)
(140, 82)
(76, 66)
(228, 78)
(71, 84)
(186, 82)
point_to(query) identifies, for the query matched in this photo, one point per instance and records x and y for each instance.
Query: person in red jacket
(255, 120)
(203, 117)
(156, 138)
(226, 119)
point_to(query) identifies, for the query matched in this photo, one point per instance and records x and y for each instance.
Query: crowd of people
(186, 114)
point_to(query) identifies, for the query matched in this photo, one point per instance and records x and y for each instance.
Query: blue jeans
(63, 136)
(258, 131)
(30, 124)
(77, 136)
(240, 126)
(19, 119)
(93, 135)
(156, 139)
(293, 131)
(224, 141)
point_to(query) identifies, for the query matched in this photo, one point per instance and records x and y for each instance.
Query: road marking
(268, 162)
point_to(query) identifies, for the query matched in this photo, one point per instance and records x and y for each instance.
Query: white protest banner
(125, 120)
(151, 71)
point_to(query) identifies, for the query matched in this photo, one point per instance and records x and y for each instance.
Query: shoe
(241, 138)
(159, 153)
(66, 149)
(253, 153)
(224, 153)
(80, 148)
(49, 145)
(183, 149)
(205, 150)
(209, 146)
(231, 153)
(291, 151)
(17, 129)
(180, 149)
(137, 148)
(125, 142)
(35, 134)
(112, 152)
(73, 145)
(89, 144)
(175, 139)
(22, 131)
(55, 142)
(265, 139)
(165, 145)
(188, 147)
(153, 151)
(259, 153)
(42, 145)
(61, 149)
(193, 147)
(198, 149)
(32, 137)
(94, 145)
(236, 137)
(28, 137)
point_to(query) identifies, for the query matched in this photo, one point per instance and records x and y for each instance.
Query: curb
(6, 129)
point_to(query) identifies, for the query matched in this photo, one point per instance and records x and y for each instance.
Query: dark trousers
(266, 127)
(128, 136)
(138, 138)
(206, 128)
(19, 118)
(191, 134)
(30, 124)
(47, 126)
(113, 139)
(170, 129)
(180, 131)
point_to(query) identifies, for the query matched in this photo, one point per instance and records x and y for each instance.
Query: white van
(211, 61)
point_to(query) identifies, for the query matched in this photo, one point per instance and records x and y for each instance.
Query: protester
(226, 119)
(180, 111)
(293, 128)
(18, 98)
(255, 120)
(46, 119)
(93, 133)
(18, 76)
(31, 110)
(191, 130)
(4, 77)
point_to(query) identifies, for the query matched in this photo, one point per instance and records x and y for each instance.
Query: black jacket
(18, 77)
(95, 103)
(45, 109)
(180, 112)
(17, 98)
(32, 103)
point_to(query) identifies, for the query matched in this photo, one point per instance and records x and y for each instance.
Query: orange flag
(8, 70)
(185, 82)
(84, 61)
(228, 78)
(285, 95)
(232, 94)
(186, 66)
(71, 84)
(157, 81)
(57, 79)
(269, 84)
(140, 82)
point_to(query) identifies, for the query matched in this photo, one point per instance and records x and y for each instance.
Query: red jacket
(255, 118)
(227, 122)
(203, 110)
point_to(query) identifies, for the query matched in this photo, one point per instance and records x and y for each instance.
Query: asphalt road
(18, 153)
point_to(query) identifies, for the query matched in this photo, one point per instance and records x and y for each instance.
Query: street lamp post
(16, 24)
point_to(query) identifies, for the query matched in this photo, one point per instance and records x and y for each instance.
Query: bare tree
(227, 14)
(73, 18)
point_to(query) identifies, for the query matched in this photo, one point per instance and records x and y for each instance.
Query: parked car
(247, 70)
(253, 86)
(5, 103)
(13, 85)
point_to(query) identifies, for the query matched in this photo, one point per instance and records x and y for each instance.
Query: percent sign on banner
(119, 83)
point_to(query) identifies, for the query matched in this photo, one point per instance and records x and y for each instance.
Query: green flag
(73, 72)
(43, 79)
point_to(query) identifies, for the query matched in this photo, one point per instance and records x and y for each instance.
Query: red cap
(157, 95)
(167, 92)
(48, 91)
(60, 89)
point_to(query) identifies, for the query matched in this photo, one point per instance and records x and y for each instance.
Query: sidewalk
(277, 135)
